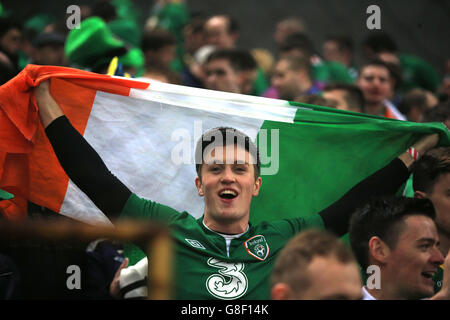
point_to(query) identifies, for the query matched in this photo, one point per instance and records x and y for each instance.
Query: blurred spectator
(416, 72)
(222, 31)
(345, 97)
(291, 78)
(440, 113)
(431, 180)
(415, 103)
(163, 74)
(315, 265)
(230, 70)
(398, 236)
(315, 99)
(374, 80)
(158, 46)
(170, 15)
(93, 45)
(194, 40)
(340, 49)
(286, 27)
(444, 88)
(48, 49)
(10, 41)
(300, 45)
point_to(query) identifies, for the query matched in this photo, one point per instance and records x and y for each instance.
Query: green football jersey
(203, 266)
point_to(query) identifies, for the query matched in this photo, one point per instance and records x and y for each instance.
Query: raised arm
(79, 160)
(385, 181)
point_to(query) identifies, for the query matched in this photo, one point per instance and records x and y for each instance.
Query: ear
(198, 184)
(280, 291)
(257, 186)
(420, 195)
(378, 250)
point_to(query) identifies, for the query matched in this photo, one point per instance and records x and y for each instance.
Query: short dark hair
(380, 42)
(298, 41)
(226, 136)
(156, 39)
(240, 60)
(297, 63)
(376, 63)
(439, 113)
(343, 42)
(7, 24)
(354, 96)
(414, 98)
(429, 167)
(298, 253)
(383, 217)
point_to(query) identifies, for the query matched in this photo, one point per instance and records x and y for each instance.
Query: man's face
(285, 81)
(219, 75)
(337, 97)
(331, 51)
(11, 41)
(331, 280)
(414, 260)
(374, 81)
(246, 80)
(52, 55)
(228, 184)
(217, 33)
(440, 197)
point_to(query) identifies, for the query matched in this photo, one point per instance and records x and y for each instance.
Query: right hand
(426, 143)
(114, 288)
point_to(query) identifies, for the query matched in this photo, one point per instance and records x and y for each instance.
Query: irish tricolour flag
(146, 131)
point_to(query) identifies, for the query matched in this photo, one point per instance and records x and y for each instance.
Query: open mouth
(428, 274)
(228, 194)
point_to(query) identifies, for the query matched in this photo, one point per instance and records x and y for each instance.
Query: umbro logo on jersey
(257, 247)
(195, 244)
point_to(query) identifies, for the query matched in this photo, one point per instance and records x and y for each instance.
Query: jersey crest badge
(257, 247)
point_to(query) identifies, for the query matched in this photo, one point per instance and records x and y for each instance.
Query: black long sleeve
(86, 169)
(385, 181)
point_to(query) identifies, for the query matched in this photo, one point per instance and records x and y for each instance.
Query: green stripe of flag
(324, 153)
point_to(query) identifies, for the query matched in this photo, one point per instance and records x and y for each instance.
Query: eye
(240, 169)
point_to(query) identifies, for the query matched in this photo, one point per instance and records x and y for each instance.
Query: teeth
(228, 192)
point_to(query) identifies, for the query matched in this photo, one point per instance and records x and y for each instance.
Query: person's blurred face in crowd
(440, 197)
(246, 80)
(338, 99)
(411, 264)
(219, 75)
(218, 34)
(332, 280)
(374, 81)
(11, 41)
(52, 55)
(163, 56)
(285, 80)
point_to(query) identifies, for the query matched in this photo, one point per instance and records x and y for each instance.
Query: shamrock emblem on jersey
(257, 247)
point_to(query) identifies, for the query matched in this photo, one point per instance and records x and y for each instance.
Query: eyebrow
(428, 240)
(221, 162)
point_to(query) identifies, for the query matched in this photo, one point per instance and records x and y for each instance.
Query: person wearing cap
(48, 49)
(93, 45)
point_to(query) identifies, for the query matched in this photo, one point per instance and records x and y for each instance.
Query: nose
(437, 258)
(228, 175)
